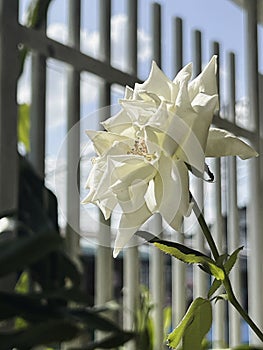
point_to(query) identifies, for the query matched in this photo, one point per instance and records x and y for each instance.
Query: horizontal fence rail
(184, 282)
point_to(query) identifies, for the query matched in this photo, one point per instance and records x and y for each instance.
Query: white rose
(163, 129)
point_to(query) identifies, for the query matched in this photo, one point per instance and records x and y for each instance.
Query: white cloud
(90, 40)
(58, 32)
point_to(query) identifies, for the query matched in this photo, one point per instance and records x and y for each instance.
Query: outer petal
(172, 190)
(128, 93)
(206, 81)
(223, 143)
(107, 205)
(186, 70)
(118, 123)
(183, 102)
(129, 224)
(205, 106)
(139, 111)
(157, 83)
(182, 142)
(103, 140)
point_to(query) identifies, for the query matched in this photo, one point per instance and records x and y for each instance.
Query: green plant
(58, 310)
(144, 325)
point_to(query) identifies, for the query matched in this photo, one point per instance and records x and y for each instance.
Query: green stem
(233, 300)
(227, 284)
(205, 228)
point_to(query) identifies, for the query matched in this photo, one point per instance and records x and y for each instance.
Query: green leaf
(65, 294)
(36, 13)
(18, 253)
(214, 287)
(43, 333)
(191, 256)
(223, 296)
(29, 308)
(23, 284)
(193, 327)
(227, 266)
(24, 125)
(34, 309)
(92, 320)
(232, 260)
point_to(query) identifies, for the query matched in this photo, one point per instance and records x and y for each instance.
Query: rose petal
(129, 224)
(118, 123)
(206, 81)
(172, 190)
(157, 83)
(103, 140)
(223, 143)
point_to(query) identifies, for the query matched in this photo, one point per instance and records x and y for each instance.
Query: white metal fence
(224, 190)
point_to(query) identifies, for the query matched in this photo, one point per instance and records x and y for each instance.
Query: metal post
(254, 222)
(199, 277)
(156, 258)
(131, 255)
(8, 107)
(9, 172)
(38, 111)
(233, 237)
(104, 253)
(178, 267)
(73, 136)
(219, 308)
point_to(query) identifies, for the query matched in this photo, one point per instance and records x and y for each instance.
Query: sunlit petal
(223, 143)
(129, 224)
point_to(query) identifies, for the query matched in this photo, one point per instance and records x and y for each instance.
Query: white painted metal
(157, 281)
(220, 320)
(131, 261)
(157, 258)
(233, 237)
(178, 268)
(103, 277)
(218, 233)
(200, 281)
(255, 224)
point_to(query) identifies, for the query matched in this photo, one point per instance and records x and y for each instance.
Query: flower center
(141, 149)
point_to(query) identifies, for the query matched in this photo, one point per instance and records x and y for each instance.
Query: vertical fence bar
(177, 44)
(233, 237)
(157, 285)
(255, 238)
(8, 117)
(199, 277)
(73, 137)
(178, 267)
(132, 36)
(219, 308)
(38, 110)
(8, 108)
(104, 253)
(38, 113)
(156, 258)
(131, 256)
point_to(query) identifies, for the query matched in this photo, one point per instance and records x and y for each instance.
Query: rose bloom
(162, 132)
